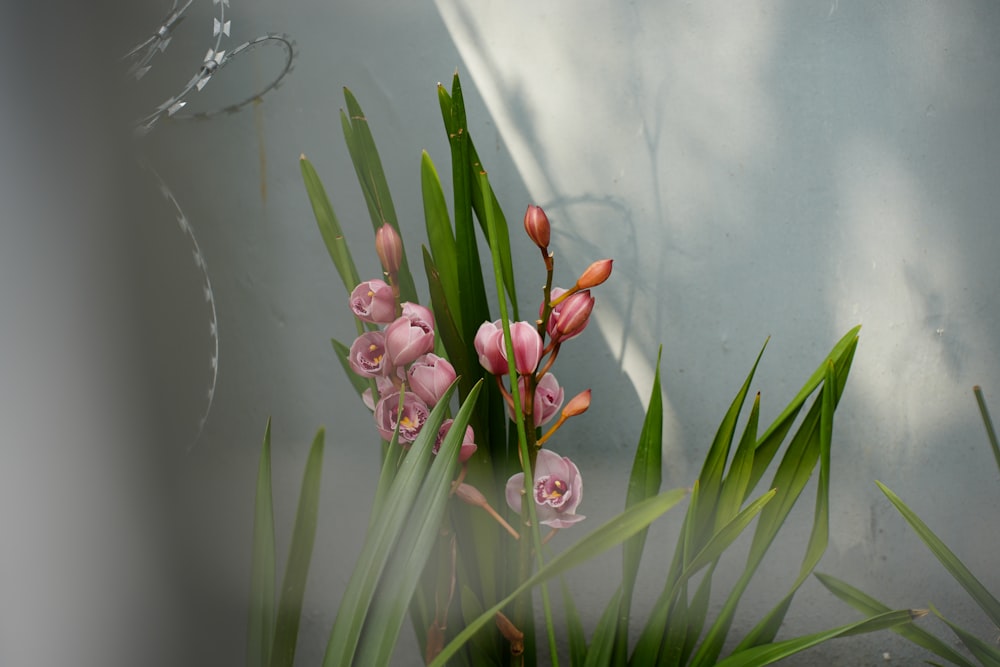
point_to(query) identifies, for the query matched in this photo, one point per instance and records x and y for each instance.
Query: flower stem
(522, 606)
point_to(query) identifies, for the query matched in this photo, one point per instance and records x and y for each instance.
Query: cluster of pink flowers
(558, 486)
(409, 378)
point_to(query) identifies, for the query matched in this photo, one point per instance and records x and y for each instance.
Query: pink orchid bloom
(373, 301)
(548, 399)
(367, 357)
(557, 491)
(410, 416)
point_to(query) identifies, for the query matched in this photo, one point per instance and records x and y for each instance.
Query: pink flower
(383, 385)
(569, 318)
(525, 340)
(410, 335)
(430, 376)
(410, 416)
(558, 490)
(489, 345)
(548, 399)
(367, 357)
(373, 301)
(468, 447)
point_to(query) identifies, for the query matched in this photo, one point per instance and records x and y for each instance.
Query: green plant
(437, 545)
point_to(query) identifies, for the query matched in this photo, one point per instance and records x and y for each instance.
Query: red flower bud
(389, 247)
(595, 274)
(536, 224)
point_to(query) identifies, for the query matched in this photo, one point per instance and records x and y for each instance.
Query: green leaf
(406, 566)
(482, 647)
(381, 540)
(771, 653)
(261, 623)
(610, 534)
(474, 310)
(644, 482)
(444, 319)
(368, 166)
(791, 477)
(991, 434)
(602, 644)
(951, 562)
(767, 628)
(985, 653)
(734, 486)
(772, 438)
(482, 198)
(574, 627)
(871, 607)
(439, 235)
(480, 195)
(712, 470)
(329, 227)
(293, 585)
(697, 613)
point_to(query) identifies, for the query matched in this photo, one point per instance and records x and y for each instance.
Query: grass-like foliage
(450, 542)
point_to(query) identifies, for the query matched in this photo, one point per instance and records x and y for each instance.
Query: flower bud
(577, 405)
(536, 224)
(489, 346)
(595, 274)
(471, 495)
(527, 346)
(430, 376)
(408, 337)
(570, 318)
(492, 350)
(389, 247)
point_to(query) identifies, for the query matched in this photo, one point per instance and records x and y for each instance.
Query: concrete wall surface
(757, 169)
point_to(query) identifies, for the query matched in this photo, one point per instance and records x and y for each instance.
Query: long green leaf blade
(991, 434)
(440, 236)
(644, 482)
(260, 632)
(767, 654)
(602, 644)
(986, 654)
(329, 227)
(293, 585)
(406, 567)
(574, 627)
(871, 607)
(946, 556)
(371, 176)
(380, 541)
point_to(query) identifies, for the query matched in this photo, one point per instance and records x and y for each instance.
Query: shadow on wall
(789, 172)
